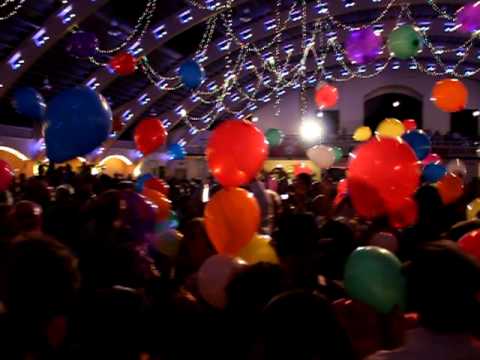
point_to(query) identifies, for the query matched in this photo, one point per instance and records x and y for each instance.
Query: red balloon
(409, 124)
(158, 185)
(6, 175)
(117, 125)
(236, 152)
(150, 135)
(450, 188)
(403, 214)
(342, 192)
(326, 96)
(432, 158)
(470, 243)
(162, 205)
(302, 169)
(382, 172)
(124, 64)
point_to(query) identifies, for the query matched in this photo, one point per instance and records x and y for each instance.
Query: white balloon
(385, 240)
(323, 156)
(457, 167)
(214, 276)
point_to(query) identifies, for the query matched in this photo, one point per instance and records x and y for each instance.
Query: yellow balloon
(391, 128)
(473, 209)
(363, 133)
(259, 250)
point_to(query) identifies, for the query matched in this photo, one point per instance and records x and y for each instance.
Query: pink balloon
(213, 277)
(6, 175)
(432, 158)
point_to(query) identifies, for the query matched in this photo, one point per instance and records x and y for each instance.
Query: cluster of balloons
(450, 95)
(150, 135)
(78, 121)
(326, 95)
(29, 103)
(373, 275)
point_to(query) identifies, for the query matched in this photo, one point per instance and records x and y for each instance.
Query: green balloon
(373, 276)
(338, 153)
(405, 42)
(274, 137)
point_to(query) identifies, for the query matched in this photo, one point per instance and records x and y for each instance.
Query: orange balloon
(450, 188)
(232, 217)
(450, 95)
(163, 206)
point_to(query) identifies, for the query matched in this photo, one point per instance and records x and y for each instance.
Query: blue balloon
(434, 172)
(420, 143)
(141, 182)
(192, 74)
(29, 103)
(176, 152)
(79, 120)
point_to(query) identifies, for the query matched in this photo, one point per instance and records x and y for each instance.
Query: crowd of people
(81, 279)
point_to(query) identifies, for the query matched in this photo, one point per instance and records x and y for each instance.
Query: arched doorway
(392, 102)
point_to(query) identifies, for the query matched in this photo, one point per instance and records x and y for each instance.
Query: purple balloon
(363, 46)
(468, 17)
(138, 213)
(82, 44)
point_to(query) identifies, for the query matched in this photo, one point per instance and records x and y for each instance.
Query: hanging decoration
(450, 95)
(405, 42)
(124, 64)
(363, 46)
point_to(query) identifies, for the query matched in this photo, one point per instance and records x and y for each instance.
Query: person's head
(442, 286)
(252, 288)
(302, 325)
(296, 235)
(302, 184)
(26, 217)
(64, 193)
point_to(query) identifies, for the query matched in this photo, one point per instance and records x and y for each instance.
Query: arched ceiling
(175, 32)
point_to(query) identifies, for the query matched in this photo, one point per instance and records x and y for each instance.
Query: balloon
(29, 103)
(123, 64)
(150, 135)
(232, 217)
(140, 182)
(433, 172)
(381, 173)
(6, 175)
(374, 276)
(302, 169)
(323, 156)
(259, 250)
(468, 18)
(274, 137)
(363, 45)
(450, 188)
(168, 224)
(214, 276)
(457, 167)
(470, 243)
(403, 214)
(82, 44)
(385, 240)
(176, 151)
(409, 124)
(138, 213)
(157, 185)
(363, 133)
(161, 204)
(338, 153)
(390, 128)
(236, 152)
(326, 95)
(342, 192)
(405, 42)
(473, 209)
(420, 143)
(168, 242)
(191, 74)
(450, 95)
(79, 120)
(432, 158)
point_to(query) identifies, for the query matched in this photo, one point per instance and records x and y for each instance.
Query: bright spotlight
(310, 130)
(396, 104)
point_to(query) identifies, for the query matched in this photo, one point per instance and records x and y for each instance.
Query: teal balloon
(405, 42)
(373, 276)
(338, 153)
(79, 120)
(274, 137)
